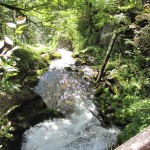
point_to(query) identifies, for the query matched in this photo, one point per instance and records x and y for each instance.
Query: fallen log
(110, 48)
(140, 141)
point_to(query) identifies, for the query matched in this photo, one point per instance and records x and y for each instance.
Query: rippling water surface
(72, 95)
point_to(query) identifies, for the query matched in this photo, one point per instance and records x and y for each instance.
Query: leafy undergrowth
(22, 69)
(124, 98)
(123, 93)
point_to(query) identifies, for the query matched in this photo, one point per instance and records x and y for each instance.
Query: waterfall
(70, 94)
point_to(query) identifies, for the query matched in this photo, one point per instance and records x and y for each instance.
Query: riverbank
(21, 108)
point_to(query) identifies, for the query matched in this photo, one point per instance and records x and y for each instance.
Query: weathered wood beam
(140, 141)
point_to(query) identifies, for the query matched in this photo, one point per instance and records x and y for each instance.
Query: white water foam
(81, 131)
(65, 61)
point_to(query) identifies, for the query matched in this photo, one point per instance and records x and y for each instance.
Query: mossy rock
(80, 54)
(56, 55)
(78, 61)
(32, 65)
(48, 57)
(27, 58)
(76, 55)
(32, 110)
(32, 81)
(8, 100)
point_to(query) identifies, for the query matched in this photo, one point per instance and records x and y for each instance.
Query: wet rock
(8, 100)
(47, 113)
(76, 70)
(78, 62)
(31, 110)
(76, 55)
(68, 68)
(88, 71)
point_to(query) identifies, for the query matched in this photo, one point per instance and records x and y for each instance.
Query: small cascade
(70, 94)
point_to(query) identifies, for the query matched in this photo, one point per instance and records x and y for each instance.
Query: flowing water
(71, 95)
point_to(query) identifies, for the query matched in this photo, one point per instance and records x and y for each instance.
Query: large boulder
(30, 109)
(8, 100)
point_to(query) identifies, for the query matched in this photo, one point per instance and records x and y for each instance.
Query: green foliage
(19, 30)
(66, 34)
(85, 27)
(6, 128)
(7, 61)
(9, 70)
(138, 112)
(126, 101)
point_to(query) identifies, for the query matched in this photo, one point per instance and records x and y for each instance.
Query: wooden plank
(140, 141)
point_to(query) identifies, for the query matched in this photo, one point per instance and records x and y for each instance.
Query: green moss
(27, 59)
(33, 63)
(32, 80)
(56, 55)
(48, 57)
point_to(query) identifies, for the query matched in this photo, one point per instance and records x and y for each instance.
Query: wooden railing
(140, 141)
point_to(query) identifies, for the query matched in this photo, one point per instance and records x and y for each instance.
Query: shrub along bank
(123, 91)
(20, 107)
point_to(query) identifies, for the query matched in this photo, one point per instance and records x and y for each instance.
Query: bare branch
(12, 7)
(112, 42)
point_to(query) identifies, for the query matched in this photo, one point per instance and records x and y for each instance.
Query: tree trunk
(140, 141)
(112, 42)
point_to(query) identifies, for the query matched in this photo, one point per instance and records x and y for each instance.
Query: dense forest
(110, 36)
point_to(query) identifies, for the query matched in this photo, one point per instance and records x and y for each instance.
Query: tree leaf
(19, 30)
(8, 40)
(1, 44)
(11, 25)
(21, 20)
(9, 53)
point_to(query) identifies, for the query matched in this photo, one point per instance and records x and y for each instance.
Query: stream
(72, 95)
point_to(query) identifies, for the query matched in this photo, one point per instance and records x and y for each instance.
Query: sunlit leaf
(11, 25)
(21, 20)
(8, 40)
(20, 29)
(9, 53)
(1, 44)
(9, 110)
(8, 124)
(11, 129)
(11, 69)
